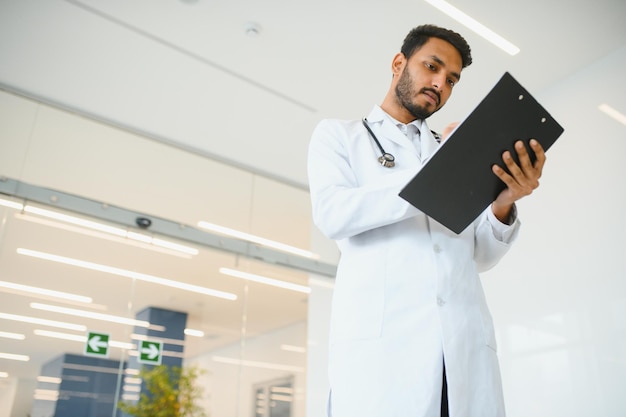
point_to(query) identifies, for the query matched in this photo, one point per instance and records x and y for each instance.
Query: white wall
(559, 297)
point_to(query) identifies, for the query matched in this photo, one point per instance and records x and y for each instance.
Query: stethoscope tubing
(385, 159)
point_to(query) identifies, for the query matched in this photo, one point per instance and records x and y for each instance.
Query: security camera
(143, 222)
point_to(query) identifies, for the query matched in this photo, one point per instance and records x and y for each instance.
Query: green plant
(171, 392)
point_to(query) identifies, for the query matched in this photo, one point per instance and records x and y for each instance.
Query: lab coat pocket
(358, 302)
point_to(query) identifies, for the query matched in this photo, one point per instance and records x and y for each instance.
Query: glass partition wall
(86, 304)
(92, 292)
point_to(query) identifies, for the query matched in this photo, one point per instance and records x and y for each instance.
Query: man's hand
(522, 180)
(446, 132)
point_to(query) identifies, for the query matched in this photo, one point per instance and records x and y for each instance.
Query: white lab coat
(407, 292)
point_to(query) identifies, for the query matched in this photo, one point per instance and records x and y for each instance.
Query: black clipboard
(457, 183)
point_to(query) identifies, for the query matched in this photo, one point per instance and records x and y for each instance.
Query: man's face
(427, 79)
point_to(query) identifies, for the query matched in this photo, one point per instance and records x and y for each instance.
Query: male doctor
(411, 334)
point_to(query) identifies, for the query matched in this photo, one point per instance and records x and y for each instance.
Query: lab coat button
(437, 249)
(440, 301)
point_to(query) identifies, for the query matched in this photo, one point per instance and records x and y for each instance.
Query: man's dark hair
(419, 35)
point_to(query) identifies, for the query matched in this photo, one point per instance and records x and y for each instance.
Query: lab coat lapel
(388, 130)
(391, 131)
(428, 143)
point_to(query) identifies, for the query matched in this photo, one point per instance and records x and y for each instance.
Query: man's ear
(398, 64)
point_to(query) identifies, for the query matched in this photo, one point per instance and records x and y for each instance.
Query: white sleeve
(505, 233)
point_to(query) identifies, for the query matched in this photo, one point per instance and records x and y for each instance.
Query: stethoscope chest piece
(387, 160)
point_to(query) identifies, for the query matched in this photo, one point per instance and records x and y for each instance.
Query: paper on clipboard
(457, 183)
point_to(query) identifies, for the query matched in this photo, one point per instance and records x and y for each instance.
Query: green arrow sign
(97, 344)
(150, 352)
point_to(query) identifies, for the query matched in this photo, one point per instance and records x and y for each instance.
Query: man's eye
(451, 82)
(430, 66)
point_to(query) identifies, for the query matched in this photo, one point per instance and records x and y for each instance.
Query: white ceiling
(186, 72)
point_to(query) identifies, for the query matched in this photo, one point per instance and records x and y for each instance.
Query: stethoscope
(386, 159)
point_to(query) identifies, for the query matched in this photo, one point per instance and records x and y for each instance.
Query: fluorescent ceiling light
(279, 397)
(11, 204)
(282, 390)
(14, 357)
(610, 111)
(79, 338)
(43, 291)
(128, 274)
(16, 336)
(257, 239)
(46, 395)
(90, 315)
(474, 25)
(49, 379)
(291, 348)
(111, 230)
(265, 280)
(194, 333)
(4, 374)
(132, 380)
(257, 364)
(43, 322)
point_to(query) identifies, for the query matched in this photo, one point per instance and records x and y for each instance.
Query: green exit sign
(150, 352)
(97, 344)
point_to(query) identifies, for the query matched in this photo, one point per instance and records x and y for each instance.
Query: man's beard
(404, 93)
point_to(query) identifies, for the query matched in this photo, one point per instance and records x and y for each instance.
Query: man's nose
(438, 82)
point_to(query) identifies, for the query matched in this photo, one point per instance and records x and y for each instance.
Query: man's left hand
(522, 180)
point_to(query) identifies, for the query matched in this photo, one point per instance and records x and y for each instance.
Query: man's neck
(393, 108)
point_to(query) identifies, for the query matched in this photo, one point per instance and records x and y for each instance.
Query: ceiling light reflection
(14, 357)
(257, 239)
(257, 364)
(11, 204)
(194, 333)
(43, 322)
(49, 379)
(111, 230)
(90, 315)
(15, 336)
(80, 338)
(128, 274)
(265, 280)
(43, 291)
